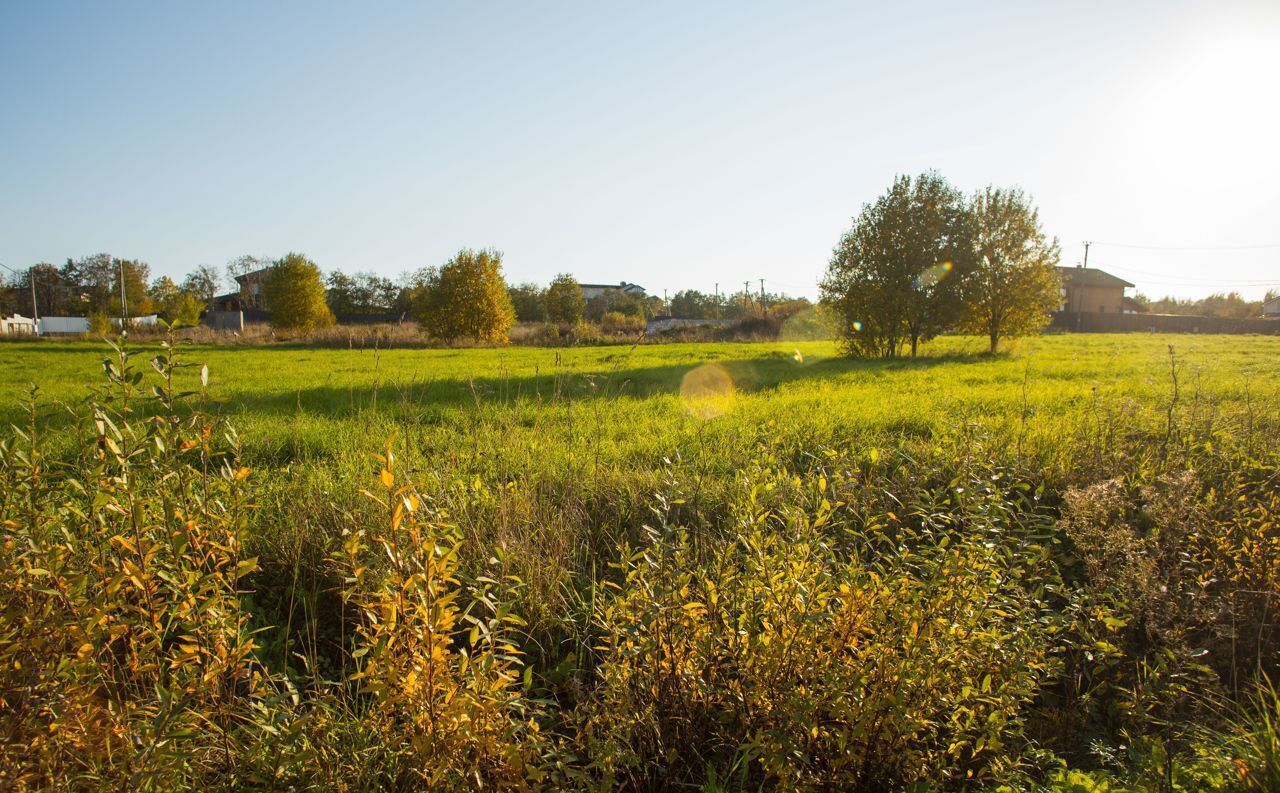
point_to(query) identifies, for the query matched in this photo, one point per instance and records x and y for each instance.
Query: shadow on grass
(411, 397)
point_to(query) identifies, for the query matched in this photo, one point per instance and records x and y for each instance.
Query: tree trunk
(995, 341)
(914, 342)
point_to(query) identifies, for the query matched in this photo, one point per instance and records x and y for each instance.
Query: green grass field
(552, 462)
(620, 405)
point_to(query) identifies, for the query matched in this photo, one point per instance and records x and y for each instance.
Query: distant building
(1086, 290)
(249, 296)
(17, 324)
(621, 288)
(1271, 308)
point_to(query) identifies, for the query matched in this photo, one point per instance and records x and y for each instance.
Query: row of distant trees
(92, 285)
(467, 297)
(925, 259)
(562, 301)
(296, 294)
(1230, 305)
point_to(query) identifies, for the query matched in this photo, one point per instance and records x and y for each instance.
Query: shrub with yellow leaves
(125, 657)
(436, 656)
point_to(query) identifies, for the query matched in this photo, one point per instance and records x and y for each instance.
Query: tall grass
(566, 572)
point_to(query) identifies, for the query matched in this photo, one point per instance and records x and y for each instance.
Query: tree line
(296, 294)
(925, 259)
(1229, 305)
(108, 286)
(467, 297)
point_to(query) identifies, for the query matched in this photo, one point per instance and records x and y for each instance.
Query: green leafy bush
(769, 658)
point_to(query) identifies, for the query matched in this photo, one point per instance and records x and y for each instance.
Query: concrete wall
(225, 320)
(1094, 322)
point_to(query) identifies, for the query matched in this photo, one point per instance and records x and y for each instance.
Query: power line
(1262, 246)
(1190, 280)
(1205, 285)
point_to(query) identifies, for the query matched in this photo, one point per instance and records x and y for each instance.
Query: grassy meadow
(719, 566)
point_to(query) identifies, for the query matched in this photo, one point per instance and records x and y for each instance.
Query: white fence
(144, 321)
(64, 325)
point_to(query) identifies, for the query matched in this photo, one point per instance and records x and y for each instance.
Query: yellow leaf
(388, 479)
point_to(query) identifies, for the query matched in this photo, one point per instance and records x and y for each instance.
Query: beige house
(1087, 290)
(1271, 308)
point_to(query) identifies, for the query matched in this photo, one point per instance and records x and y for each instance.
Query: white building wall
(18, 324)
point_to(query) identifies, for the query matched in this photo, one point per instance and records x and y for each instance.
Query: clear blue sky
(670, 144)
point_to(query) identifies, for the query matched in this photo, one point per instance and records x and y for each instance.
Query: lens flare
(934, 274)
(857, 326)
(798, 357)
(707, 391)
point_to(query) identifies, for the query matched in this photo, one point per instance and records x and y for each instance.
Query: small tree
(465, 299)
(294, 294)
(895, 278)
(1015, 282)
(564, 300)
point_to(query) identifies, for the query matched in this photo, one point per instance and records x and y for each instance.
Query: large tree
(466, 298)
(564, 300)
(895, 278)
(1015, 281)
(293, 293)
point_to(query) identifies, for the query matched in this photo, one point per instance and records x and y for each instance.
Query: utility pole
(35, 307)
(762, 294)
(1076, 291)
(124, 307)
